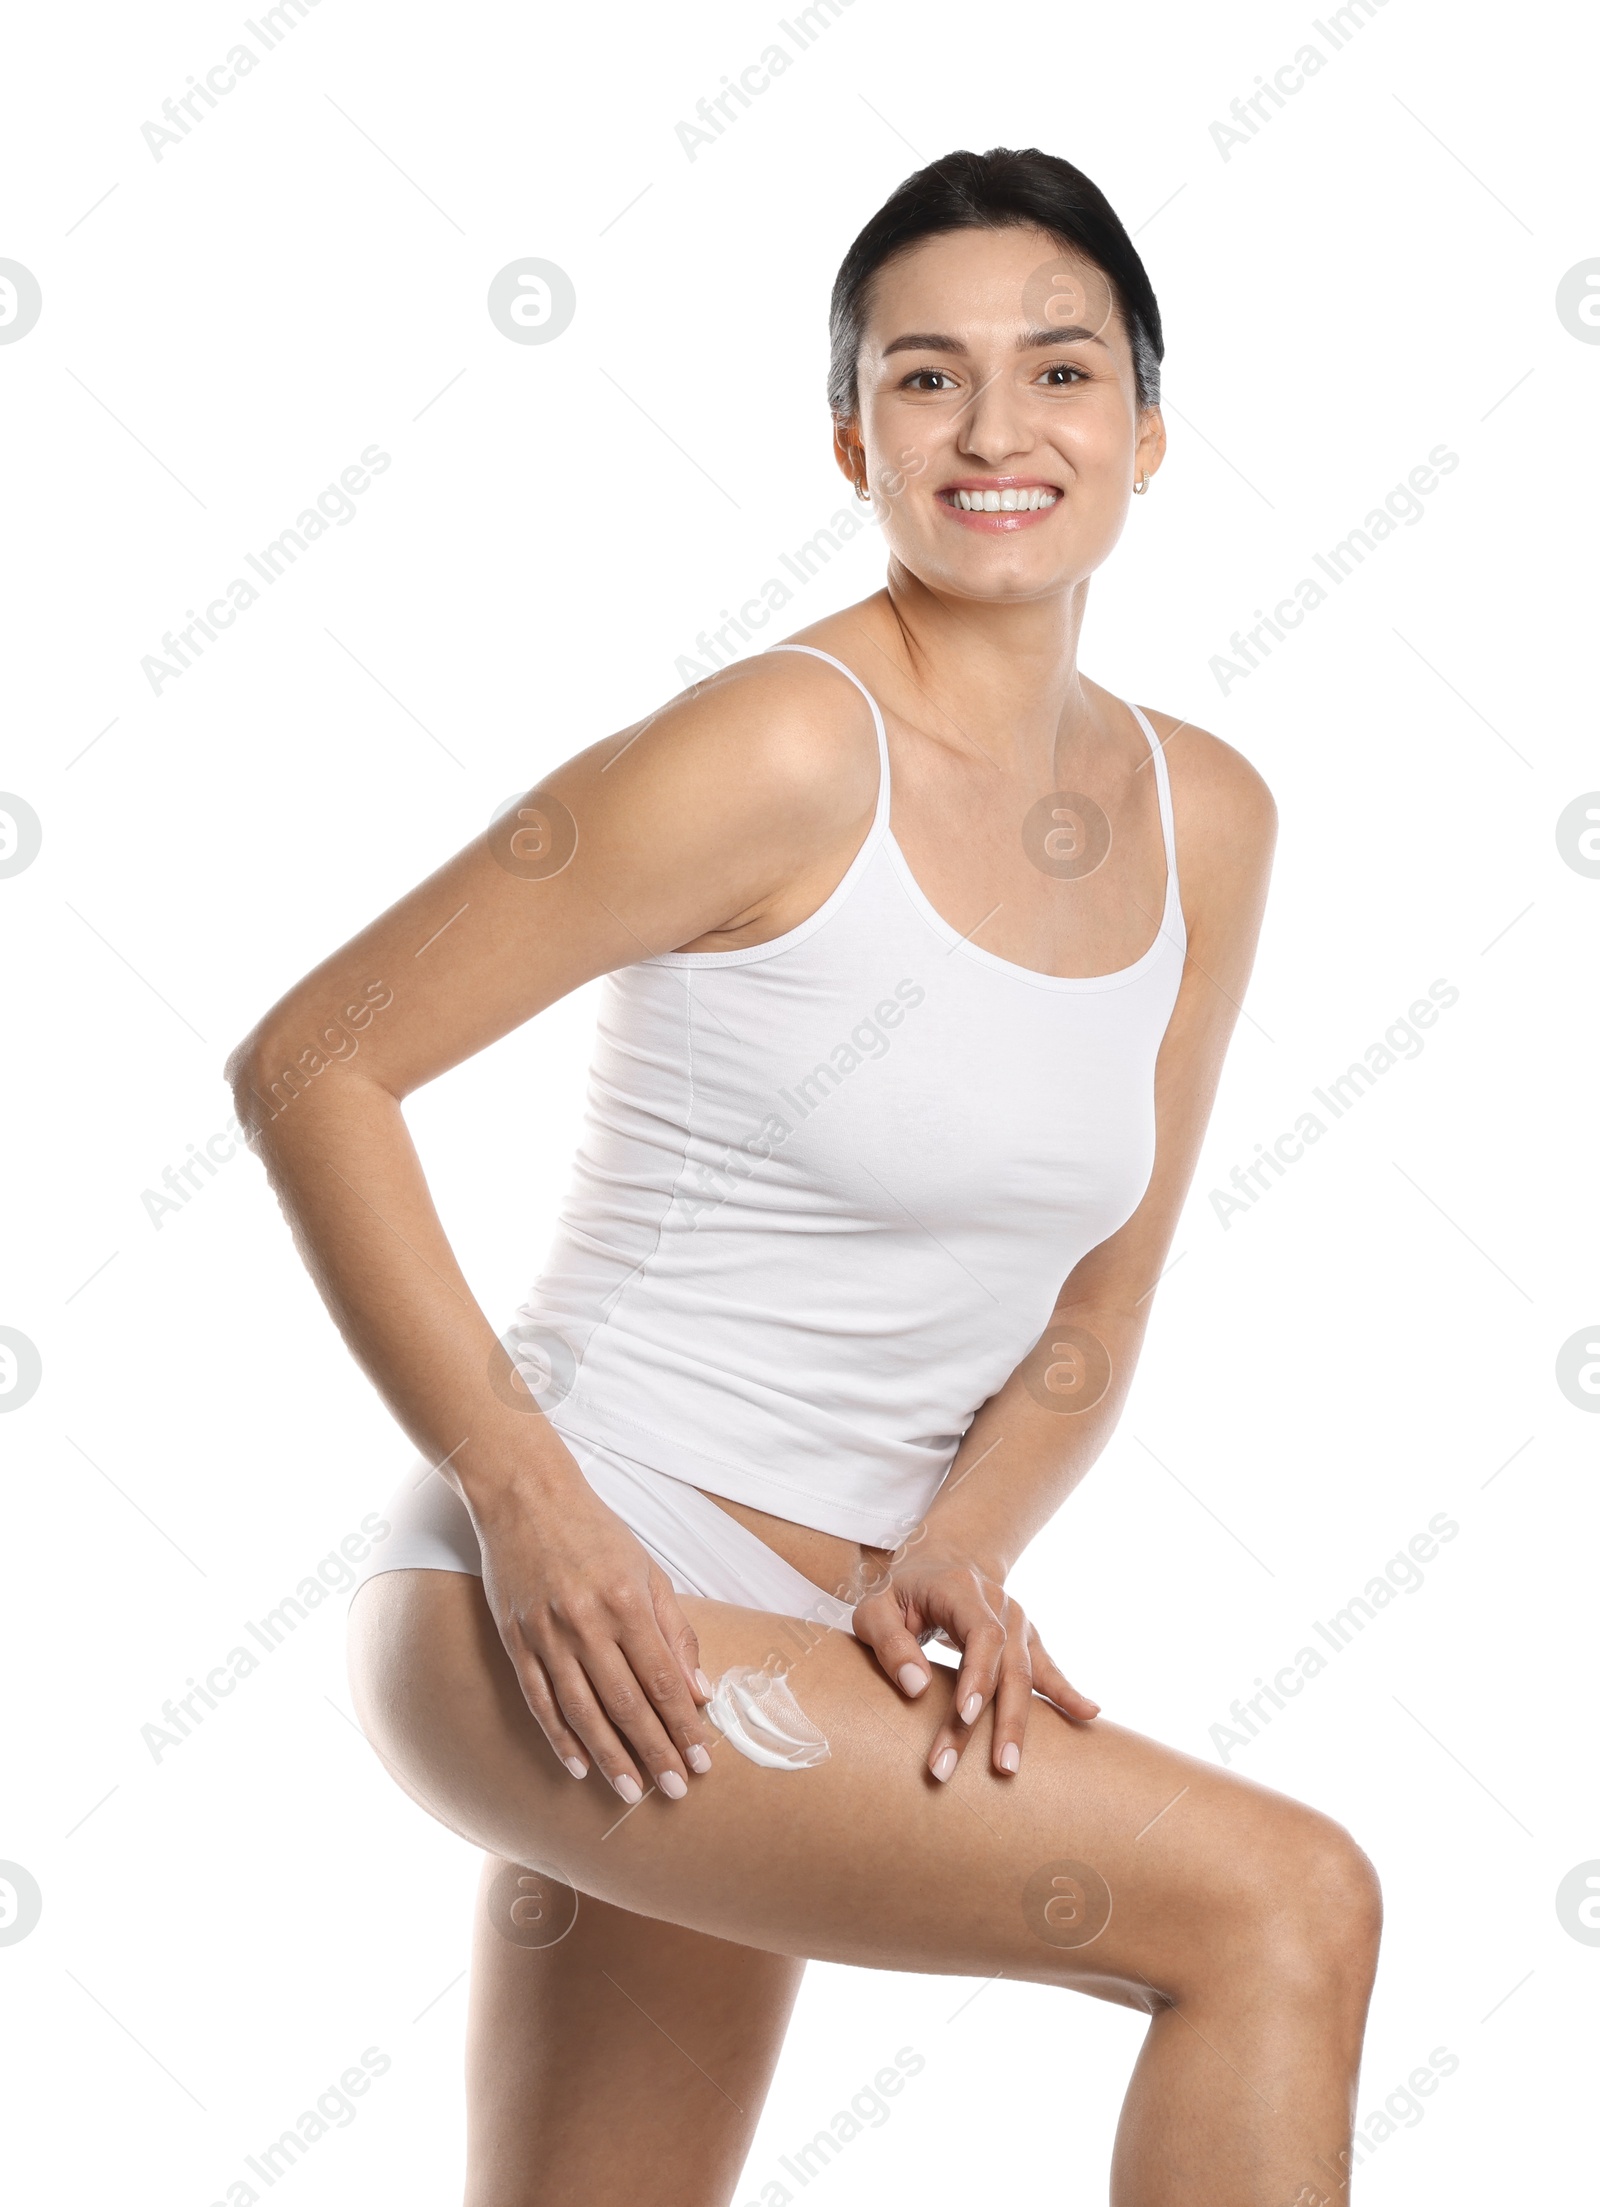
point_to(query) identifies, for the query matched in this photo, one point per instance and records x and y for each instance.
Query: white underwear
(700, 1547)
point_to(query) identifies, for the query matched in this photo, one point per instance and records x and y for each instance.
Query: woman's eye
(924, 379)
(1062, 368)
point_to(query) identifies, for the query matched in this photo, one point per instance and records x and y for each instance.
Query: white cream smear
(755, 1712)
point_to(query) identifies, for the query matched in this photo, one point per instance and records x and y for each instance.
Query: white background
(1372, 275)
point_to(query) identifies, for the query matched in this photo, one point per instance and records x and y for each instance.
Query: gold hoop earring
(1141, 486)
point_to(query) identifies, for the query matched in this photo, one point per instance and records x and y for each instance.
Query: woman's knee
(1318, 1912)
(1276, 1897)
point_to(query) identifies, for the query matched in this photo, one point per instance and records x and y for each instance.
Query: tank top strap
(880, 818)
(1164, 800)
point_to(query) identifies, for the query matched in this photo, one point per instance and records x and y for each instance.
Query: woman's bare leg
(611, 2059)
(1245, 1923)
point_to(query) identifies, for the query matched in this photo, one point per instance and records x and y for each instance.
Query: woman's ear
(1151, 448)
(850, 456)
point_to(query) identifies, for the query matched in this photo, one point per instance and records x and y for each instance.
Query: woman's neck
(1001, 680)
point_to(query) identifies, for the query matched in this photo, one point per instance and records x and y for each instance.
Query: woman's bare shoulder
(1225, 823)
(782, 725)
(1215, 789)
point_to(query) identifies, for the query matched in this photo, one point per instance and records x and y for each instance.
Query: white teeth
(1005, 501)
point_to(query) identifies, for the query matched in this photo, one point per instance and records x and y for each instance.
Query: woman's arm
(702, 820)
(1029, 1444)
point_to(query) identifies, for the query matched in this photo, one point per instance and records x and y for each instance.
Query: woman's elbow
(285, 1057)
(263, 1078)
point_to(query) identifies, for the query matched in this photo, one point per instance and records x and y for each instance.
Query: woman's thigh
(1108, 1862)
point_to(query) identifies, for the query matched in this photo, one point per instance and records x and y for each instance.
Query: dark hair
(993, 191)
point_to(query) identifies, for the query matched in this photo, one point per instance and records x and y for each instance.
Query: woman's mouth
(998, 507)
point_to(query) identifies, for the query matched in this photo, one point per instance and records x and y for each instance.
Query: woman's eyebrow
(926, 341)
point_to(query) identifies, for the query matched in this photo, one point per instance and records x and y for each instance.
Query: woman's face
(995, 373)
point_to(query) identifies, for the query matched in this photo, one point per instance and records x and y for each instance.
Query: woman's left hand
(1003, 1659)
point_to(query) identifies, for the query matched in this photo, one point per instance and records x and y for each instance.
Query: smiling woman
(651, 1622)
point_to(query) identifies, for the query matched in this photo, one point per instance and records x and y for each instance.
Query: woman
(905, 1056)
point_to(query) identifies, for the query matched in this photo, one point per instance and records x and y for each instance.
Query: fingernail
(1095, 1706)
(703, 1683)
(1010, 1755)
(943, 1763)
(672, 1785)
(912, 1677)
(630, 1789)
(576, 1765)
(698, 1759)
(970, 1707)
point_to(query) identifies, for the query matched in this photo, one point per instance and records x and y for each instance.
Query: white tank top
(830, 1186)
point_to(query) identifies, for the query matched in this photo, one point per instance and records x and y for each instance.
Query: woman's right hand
(605, 1658)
